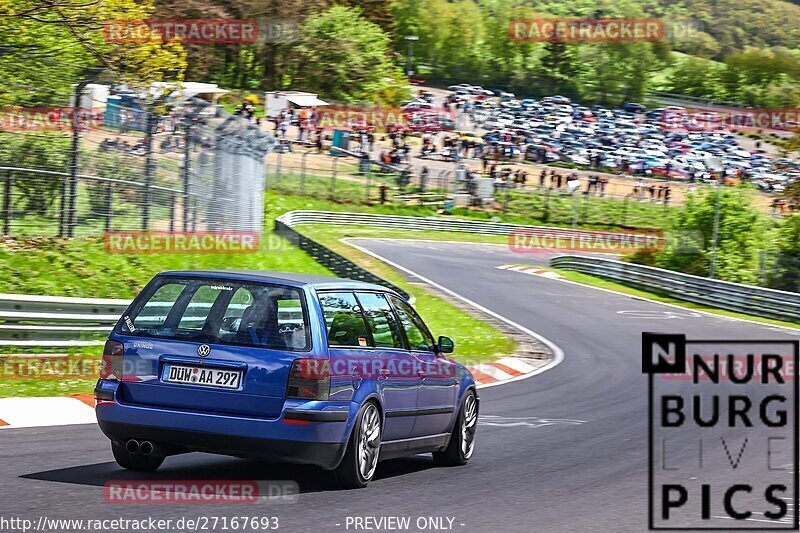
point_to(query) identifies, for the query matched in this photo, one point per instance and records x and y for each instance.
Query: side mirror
(445, 345)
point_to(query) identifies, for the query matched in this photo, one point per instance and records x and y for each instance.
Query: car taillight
(111, 364)
(309, 379)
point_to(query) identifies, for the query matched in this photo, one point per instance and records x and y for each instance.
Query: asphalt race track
(565, 450)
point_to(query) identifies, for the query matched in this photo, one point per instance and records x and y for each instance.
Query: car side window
(386, 332)
(343, 319)
(419, 338)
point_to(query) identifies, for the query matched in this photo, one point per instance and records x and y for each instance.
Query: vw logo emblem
(203, 350)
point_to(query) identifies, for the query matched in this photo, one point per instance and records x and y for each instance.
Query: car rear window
(220, 312)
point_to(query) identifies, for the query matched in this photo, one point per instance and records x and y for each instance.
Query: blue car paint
(251, 420)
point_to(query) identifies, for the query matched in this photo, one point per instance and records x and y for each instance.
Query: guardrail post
(9, 181)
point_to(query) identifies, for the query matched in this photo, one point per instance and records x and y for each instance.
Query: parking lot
(666, 143)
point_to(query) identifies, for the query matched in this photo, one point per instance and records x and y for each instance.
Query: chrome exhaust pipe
(132, 446)
(146, 447)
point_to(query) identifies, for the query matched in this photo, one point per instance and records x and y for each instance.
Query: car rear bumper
(323, 454)
(306, 432)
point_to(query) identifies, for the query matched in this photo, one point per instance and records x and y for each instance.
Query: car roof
(284, 278)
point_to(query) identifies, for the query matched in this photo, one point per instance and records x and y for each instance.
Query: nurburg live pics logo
(722, 433)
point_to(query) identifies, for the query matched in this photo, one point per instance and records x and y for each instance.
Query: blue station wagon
(305, 369)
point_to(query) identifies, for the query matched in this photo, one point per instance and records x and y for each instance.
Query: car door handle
(384, 373)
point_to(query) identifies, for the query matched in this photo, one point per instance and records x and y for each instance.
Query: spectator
(318, 142)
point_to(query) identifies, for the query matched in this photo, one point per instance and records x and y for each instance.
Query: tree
(46, 46)
(694, 77)
(787, 261)
(345, 57)
(558, 71)
(740, 240)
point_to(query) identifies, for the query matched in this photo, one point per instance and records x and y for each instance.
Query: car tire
(462, 440)
(361, 457)
(135, 461)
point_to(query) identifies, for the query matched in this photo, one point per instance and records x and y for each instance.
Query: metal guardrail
(47, 321)
(478, 227)
(52, 321)
(696, 99)
(737, 297)
(336, 263)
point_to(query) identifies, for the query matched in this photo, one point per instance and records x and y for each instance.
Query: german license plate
(208, 377)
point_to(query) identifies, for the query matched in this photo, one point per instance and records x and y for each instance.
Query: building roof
(305, 100)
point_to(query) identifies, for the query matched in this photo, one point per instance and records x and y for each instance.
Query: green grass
(24, 377)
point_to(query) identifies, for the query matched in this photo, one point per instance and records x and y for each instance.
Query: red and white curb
(532, 270)
(501, 371)
(37, 412)
(79, 409)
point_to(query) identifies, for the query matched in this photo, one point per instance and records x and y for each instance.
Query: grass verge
(593, 281)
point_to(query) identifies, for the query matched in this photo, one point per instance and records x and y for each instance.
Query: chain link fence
(130, 164)
(308, 171)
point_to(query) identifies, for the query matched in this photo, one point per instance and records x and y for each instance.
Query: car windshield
(221, 312)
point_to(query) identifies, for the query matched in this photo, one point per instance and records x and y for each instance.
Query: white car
(506, 120)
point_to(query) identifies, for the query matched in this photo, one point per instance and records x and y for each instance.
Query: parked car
(633, 107)
(305, 369)
(418, 105)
